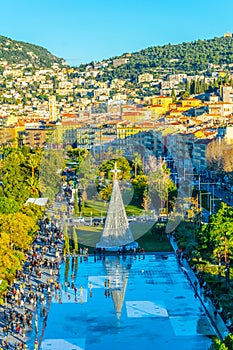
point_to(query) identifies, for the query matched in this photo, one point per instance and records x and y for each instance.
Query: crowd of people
(27, 300)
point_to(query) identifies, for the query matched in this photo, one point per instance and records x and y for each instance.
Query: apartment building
(146, 77)
(199, 159)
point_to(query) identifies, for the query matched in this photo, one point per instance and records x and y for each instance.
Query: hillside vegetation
(18, 52)
(189, 57)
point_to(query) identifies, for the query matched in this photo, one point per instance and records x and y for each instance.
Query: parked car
(131, 218)
(96, 221)
(78, 220)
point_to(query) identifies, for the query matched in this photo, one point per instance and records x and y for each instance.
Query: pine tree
(75, 204)
(197, 87)
(75, 241)
(187, 86)
(66, 239)
(173, 96)
(192, 87)
(202, 86)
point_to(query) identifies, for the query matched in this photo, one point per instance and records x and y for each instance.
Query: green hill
(189, 57)
(18, 52)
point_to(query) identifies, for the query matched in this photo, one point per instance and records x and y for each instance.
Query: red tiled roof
(68, 122)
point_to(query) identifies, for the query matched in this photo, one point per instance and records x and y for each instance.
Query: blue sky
(82, 31)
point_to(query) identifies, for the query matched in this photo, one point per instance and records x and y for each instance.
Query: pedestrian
(36, 344)
(23, 332)
(5, 331)
(17, 328)
(22, 303)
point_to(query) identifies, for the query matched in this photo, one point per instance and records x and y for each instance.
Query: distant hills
(18, 52)
(188, 57)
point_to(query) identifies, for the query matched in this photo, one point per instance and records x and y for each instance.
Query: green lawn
(99, 208)
(154, 244)
(90, 235)
(95, 208)
(133, 210)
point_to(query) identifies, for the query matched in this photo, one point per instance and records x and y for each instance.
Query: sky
(81, 31)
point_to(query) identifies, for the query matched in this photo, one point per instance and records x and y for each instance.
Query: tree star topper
(115, 171)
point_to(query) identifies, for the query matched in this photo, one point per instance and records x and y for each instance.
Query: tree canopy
(20, 180)
(122, 164)
(21, 52)
(226, 344)
(216, 236)
(188, 57)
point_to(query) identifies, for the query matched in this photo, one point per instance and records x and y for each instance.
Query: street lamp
(186, 174)
(224, 254)
(91, 219)
(212, 206)
(227, 263)
(201, 194)
(227, 271)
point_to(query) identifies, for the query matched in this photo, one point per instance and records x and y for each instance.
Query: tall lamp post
(213, 205)
(200, 202)
(204, 185)
(200, 197)
(227, 271)
(227, 263)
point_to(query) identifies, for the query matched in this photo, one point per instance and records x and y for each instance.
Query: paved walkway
(128, 301)
(211, 311)
(24, 315)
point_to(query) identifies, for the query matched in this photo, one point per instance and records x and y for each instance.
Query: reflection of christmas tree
(116, 230)
(118, 273)
(118, 297)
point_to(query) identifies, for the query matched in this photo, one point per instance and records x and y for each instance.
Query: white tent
(38, 201)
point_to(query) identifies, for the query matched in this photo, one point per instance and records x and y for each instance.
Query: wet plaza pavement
(125, 302)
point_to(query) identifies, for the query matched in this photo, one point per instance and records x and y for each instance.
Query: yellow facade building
(163, 101)
(191, 102)
(161, 104)
(10, 135)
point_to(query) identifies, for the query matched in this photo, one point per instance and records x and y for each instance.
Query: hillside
(18, 52)
(190, 57)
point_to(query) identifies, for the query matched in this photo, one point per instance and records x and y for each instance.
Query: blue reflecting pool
(125, 302)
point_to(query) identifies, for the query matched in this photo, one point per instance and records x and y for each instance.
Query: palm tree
(75, 240)
(137, 163)
(87, 174)
(106, 192)
(34, 161)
